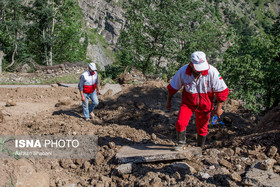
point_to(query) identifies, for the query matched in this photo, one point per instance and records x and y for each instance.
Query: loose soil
(135, 115)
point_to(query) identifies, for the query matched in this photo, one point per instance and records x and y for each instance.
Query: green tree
(12, 31)
(252, 72)
(70, 41)
(56, 32)
(167, 31)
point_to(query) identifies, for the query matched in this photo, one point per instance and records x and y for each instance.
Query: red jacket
(88, 82)
(199, 95)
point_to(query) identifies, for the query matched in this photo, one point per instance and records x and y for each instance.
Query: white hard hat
(92, 66)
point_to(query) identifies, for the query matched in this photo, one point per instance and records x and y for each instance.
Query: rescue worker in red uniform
(88, 86)
(200, 82)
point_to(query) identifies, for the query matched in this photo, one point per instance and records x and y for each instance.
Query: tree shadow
(74, 110)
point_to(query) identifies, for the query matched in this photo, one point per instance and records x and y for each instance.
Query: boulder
(124, 168)
(110, 89)
(10, 102)
(183, 168)
(258, 177)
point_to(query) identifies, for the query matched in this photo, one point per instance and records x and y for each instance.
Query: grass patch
(11, 183)
(69, 79)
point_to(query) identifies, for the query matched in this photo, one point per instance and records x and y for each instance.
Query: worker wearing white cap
(201, 82)
(88, 87)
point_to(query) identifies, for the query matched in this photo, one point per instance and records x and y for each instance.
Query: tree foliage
(251, 68)
(55, 31)
(47, 31)
(165, 32)
(12, 30)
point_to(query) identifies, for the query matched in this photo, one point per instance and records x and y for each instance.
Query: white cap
(199, 61)
(92, 66)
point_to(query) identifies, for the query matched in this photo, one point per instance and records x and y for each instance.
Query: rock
(10, 102)
(154, 137)
(59, 182)
(204, 175)
(125, 168)
(222, 171)
(65, 163)
(236, 177)
(257, 177)
(177, 176)
(156, 182)
(253, 152)
(225, 163)
(105, 179)
(25, 68)
(54, 85)
(108, 93)
(276, 169)
(261, 156)
(116, 88)
(133, 76)
(154, 152)
(140, 105)
(238, 150)
(63, 101)
(267, 164)
(112, 145)
(73, 166)
(272, 151)
(183, 168)
(228, 151)
(213, 152)
(238, 167)
(99, 159)
(211, 161)
(86, 166)
(145, 181)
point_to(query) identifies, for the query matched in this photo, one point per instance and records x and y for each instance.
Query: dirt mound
(134, 75)
(135, 115)
(270, 122)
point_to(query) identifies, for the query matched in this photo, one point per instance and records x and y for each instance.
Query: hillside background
(241, 38)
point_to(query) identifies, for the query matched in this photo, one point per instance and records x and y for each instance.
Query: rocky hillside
(107, 19)
(105, 16)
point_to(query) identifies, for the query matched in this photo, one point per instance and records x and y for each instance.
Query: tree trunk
(52, 31)
(45, 49)
(1, 56)
(13, 57)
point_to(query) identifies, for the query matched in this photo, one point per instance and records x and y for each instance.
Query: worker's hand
(83, 99)
(97, 92)
(218, 111)
(168, 105)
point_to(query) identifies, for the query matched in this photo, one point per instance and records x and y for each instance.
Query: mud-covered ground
(135, 115)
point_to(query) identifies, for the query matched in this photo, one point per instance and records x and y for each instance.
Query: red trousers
(184, 116)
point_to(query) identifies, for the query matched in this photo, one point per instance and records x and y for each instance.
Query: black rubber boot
(181, 140)
(201, 141)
